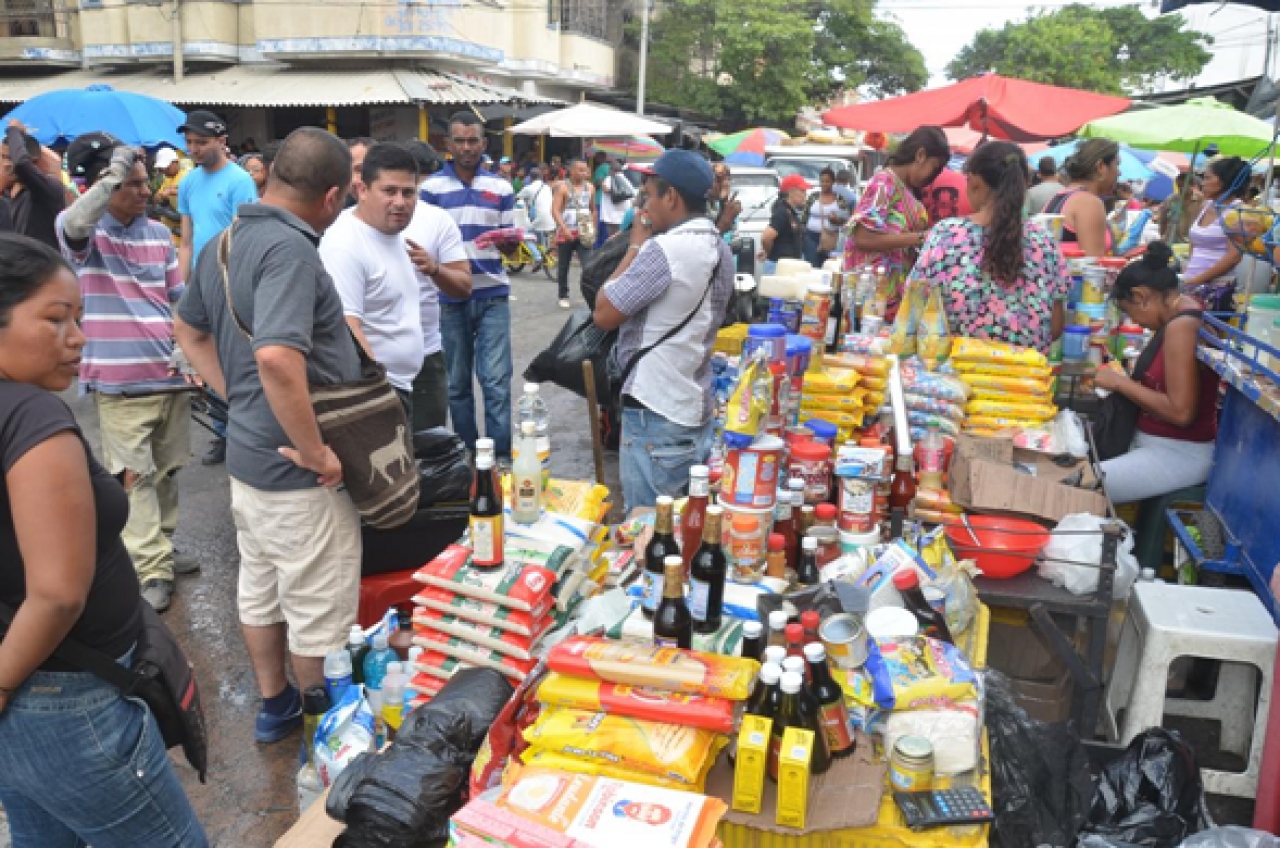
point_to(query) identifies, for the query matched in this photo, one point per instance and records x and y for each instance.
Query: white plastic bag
(1078, 538)
(1068, 435)
(345, 732)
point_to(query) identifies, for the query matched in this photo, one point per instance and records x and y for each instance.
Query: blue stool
(1152, 527)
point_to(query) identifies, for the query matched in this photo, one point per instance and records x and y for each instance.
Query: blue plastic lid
(798, 344)
(821, 429)
(1079, 330)
(766, 331)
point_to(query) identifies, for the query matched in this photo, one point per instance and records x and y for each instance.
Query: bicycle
(531, 252)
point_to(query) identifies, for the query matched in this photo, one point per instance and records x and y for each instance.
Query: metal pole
(176, 23)
(644, 56)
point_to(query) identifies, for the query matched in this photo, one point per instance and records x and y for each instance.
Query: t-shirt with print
(112, 618)
(286, 299)
(661, 287)
(435, 232)
(379, 286)
(211, 199)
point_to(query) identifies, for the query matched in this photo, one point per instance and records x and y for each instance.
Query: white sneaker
(564, 303)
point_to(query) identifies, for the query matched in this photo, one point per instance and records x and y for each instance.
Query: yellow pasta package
(999, 369)
(833, 381)
(1033, 411)
(873, 401)
(864, 364)
(1012, 397)
(550, 759)
(991, 425)
(851, 402)
(672, 669)
(1007, 385)
(670, 751)
(840, 419)
(983, 350)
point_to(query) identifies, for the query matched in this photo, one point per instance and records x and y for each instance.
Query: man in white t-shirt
(440, 257)
(366, 255)
(537, 197)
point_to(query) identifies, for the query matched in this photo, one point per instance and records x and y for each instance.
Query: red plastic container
(1000, 554)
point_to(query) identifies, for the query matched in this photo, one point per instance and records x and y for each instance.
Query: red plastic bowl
(999, 553)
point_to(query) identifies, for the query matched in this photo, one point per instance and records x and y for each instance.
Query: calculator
(943, 807)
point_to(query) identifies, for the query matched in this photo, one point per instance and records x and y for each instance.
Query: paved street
(250, 799)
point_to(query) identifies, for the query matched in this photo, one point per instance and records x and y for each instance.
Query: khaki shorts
(299, 563)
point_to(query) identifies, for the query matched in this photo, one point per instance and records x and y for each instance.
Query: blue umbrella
(1158, 187)
(1132, 166)
(133, 118)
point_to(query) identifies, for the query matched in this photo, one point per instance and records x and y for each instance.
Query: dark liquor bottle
(932, 623)
(752, 640)
(707, 574)
(662, 545)
(791, 713)
(833, 715)
(807, 571)
(486, 518)
(672, 623)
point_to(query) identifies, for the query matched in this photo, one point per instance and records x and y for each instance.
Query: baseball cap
(165, 157)
(88, 154)
(794, 181)
(647, 170)
(686, 171)
(207, 124)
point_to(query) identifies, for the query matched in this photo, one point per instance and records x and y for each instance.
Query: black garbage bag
(435, 442)
(1040, 779)
(345, 784)
(600, 265)
(443, 473)
(405, 798)
(1151, 795)
(579, 340)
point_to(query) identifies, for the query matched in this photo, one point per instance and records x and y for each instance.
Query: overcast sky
(940, 28)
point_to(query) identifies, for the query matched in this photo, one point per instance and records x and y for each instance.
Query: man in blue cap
(668, 297)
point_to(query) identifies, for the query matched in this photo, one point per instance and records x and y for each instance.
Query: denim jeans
(477, 336)
(656, 454)
(564, 255)
(82, 765)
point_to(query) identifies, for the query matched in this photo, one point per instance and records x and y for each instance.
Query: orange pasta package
(561, 690)
(604, 811)
(550, 759)
(670, 669)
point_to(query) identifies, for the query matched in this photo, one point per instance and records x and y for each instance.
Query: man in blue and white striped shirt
(477, 331)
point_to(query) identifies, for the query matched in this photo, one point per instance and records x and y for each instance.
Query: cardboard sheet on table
(847, 796)
(983, 478)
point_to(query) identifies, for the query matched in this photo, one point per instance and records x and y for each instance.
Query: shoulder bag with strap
(1116, 421)
(363, 422)
(161, 676)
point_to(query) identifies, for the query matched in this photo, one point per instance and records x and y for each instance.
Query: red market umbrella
(993, 105)
(963, 141)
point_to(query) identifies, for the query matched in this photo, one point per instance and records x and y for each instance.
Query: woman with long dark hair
(1210, 274)
(1001, 278)
(1177, 395)
(890, 222)
(80, 763)
(1092, 172)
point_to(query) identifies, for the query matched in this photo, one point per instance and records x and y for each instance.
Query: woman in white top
(1210, 274)
(824, 214)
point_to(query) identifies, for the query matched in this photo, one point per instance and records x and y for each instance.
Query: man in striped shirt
(128, 271)
(476, 331)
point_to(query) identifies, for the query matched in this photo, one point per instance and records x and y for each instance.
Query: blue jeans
(80, 764)
(477, 335)
(656, 454)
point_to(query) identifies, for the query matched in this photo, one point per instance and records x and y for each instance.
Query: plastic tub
(1075, 342)
(1005, 547)
(886, 623)
(811, 462)
(751, 474)
(851, 542)
(728, 539)
(823, 431)
(1262, 312)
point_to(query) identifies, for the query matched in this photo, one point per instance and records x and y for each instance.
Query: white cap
(752, 629)
(795, 664)
(165, 157)
(395, 668)
(380, 642)
(770, 673)
(529, 428)
(815, 652)
(775, 654)
(531, 388)
(699, 471)
(809, 543)
(792, 682)
(484, 444)
(356, 634)
(664, 499)
(777, 619)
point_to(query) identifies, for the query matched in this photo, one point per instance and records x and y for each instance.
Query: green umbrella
(1187, 128)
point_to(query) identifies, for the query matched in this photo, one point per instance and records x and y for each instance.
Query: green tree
(761, 61)
(1113, 51)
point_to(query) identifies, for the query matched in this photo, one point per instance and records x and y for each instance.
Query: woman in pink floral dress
(890, 222)
(1001, 278)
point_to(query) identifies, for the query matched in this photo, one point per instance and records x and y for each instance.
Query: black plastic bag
(436, 442)
(1040, 780)
(1151, 795)
(578, 341)
(444, 476)
(600, 265)
(405, 797)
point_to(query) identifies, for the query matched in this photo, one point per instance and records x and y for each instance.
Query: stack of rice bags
(933, 398)
(657, 716)
(549, 808)
(1012, 387)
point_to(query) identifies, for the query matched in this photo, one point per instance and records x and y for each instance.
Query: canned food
(811, 462)
(857, 504)
(786, 312)
(845, 639)
(911, 764)
(751, 474)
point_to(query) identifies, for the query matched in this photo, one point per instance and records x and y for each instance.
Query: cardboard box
(753, 758)
(793, 777)
(991, 475)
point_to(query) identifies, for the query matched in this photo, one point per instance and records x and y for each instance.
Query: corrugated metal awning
(274, 86)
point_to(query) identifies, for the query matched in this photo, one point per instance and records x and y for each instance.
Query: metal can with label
(911, 764)
(846, 640)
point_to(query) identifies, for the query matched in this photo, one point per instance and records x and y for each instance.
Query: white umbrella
(587, 120)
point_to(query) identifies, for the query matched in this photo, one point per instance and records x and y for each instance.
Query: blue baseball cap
(686, 171)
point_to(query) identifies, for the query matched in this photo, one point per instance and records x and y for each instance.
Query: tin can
(911, 764)
(1095, 285)
(751, 474)
(857, 504)
(786, 312)
(845, 639)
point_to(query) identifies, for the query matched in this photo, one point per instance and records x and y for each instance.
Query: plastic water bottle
(358, 647)
(393, 704)
(375, 669)
(526, 478)
(531, 407)
(337, 674)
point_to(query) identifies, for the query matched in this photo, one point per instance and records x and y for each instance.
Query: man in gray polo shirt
(298, 533)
